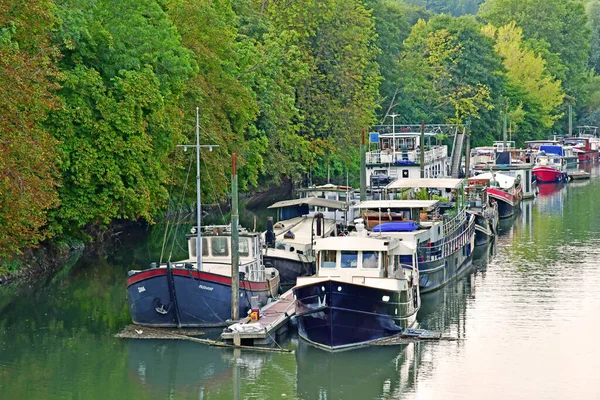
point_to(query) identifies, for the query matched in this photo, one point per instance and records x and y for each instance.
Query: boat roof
(401, 134)
(310, 201)
(505, 181)
(396, 204)
(329, 187)
(357, 243)
(441, 183)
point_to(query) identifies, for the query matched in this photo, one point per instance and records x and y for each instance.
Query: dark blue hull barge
(336, 315)
(186, 297)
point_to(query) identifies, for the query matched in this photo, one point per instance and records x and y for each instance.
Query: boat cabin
(502, 146)
(536, 144)
(397, 155)
(328, 191)
(580, 143)
(216, 251)
(446, 190)
(365, 260)
(310, 206)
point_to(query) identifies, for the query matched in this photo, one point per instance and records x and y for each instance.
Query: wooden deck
(274, 319)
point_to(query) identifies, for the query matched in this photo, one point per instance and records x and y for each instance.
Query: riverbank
(50, 256)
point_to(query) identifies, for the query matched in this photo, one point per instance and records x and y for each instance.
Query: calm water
(527, 317)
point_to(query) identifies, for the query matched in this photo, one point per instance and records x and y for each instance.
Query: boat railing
(455, 222)
(389, 156)
(448, 246)
(256, 272)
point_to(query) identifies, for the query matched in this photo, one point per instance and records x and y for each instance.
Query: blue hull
(505, 210)
(199, 299)
(436, 273)
(336, 315)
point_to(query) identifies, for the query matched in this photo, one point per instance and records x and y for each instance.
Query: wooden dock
(579, 175)
(274, 319)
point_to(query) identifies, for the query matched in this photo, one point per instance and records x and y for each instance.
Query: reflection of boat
(366, 288)
(366, 373)
(548, 190)
(181, 369)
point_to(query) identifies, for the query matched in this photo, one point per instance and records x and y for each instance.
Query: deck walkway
(274, 319)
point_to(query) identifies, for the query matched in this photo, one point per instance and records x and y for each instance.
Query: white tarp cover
(384, 204)
(504, 181)
(435, 183)
(253, 327)
(311, 201)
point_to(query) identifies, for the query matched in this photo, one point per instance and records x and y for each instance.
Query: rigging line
(180, 210)
(162, 252)
(212, 186)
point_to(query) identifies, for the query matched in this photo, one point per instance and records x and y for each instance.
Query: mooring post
(468, 148)
(363, 169)
(422, 147)
(235, 255)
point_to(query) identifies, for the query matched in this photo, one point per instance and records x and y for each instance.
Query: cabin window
(328, 258)
(193, 247)
(349, 259)
(219, 247)
(342, 196)
(370, 259)
(244, 248)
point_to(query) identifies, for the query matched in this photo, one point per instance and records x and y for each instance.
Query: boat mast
(198, 146)
(198, 190)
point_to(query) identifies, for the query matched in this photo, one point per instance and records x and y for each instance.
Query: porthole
(385, 298)
(323, 288)
(339, 288)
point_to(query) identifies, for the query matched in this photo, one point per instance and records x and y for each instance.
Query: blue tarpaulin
(549, 149)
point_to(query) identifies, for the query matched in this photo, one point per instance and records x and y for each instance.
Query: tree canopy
(95, 97)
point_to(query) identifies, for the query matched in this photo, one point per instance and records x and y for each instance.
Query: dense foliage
(95, 96)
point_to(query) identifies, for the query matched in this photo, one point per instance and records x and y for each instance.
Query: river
(526, 317)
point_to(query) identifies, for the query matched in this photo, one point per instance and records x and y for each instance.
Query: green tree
(338, 95)
(452, 74)
(123, 69)
(592, 10)
(28, 174)
(556, 28)
(393, 23)
(537, 93)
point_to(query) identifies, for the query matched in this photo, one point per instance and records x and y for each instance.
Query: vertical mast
(422, 147)
(235, 256)
(504, 126)
(198, 188)
(363, 171)
(570, 120)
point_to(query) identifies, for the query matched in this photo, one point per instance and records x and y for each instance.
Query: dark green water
(527, 317)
